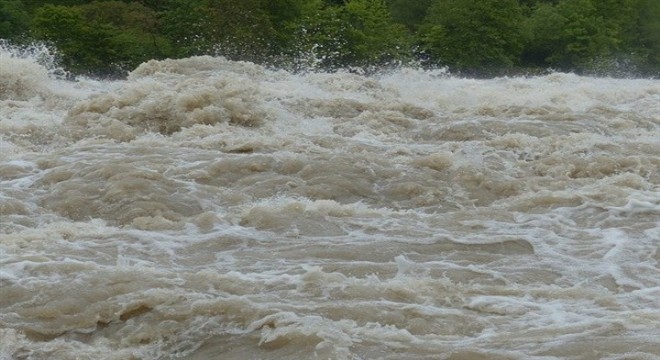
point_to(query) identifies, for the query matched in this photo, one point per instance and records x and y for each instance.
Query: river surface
(210, 209)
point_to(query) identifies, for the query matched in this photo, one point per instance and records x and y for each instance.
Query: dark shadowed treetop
(473, 34)
(14, 19)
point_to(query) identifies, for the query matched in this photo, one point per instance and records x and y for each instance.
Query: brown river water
(210, 209)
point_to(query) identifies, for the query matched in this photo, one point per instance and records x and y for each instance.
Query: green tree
(14, 19)
(647, 43)
(32, 5)
(101, 38)
(247, 32)
(409, 13)
(83, 45)
(570, 35)
(244, 30)
(135, 31)
(188, 25)
(361, 33)
(544, 38)
(473, 35)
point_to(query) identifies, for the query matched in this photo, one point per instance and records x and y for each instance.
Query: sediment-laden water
(209, 209)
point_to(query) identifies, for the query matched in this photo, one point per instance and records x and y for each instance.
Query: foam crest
(640, 203)
(167, 96)
(22, 77)
(554, 97)
(196, 66)
(303, 217)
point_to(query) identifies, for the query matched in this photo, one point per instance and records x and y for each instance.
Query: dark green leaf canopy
(481, 37)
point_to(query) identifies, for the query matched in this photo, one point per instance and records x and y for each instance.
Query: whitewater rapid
(210, 209)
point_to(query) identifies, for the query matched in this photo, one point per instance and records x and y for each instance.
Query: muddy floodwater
(210, 209)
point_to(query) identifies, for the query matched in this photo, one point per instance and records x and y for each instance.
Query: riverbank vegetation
(472, 37)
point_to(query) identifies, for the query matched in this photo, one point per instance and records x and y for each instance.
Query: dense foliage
(487, 37)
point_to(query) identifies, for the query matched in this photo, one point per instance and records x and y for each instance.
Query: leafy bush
(473, 34)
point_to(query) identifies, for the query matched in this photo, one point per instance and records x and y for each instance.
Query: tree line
(474, 37)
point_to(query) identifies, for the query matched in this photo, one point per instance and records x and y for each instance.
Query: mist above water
(204, 208)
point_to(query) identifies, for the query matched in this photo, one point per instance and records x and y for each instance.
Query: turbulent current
(210, 209)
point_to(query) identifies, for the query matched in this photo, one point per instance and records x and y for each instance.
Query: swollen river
(210, 209)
